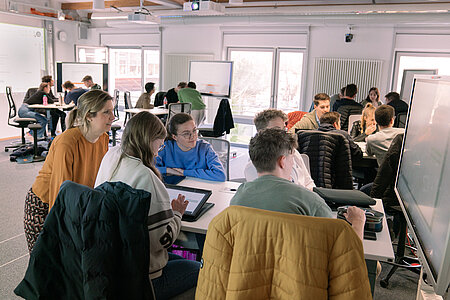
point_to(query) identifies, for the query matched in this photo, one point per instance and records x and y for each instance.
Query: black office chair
(128, 105)
(175, 108)
(159, 99)
(400, 120)
(15, 121)
(115, 127)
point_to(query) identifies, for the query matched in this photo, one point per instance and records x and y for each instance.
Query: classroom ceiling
(167, 7)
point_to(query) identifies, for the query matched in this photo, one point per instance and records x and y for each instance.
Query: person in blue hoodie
(185, 155)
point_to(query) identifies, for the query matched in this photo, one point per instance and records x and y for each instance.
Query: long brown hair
(368, 110)
(139, 134)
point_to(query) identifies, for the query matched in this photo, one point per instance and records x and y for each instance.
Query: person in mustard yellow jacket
(258, 254)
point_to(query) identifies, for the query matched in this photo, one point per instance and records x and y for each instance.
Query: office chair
(400, 120)
(159, 99)
(222, 148)
(175, 108)
(223, 121)
(294, 117)
(35, 128)
(17, 122)
(115, 127)
(329, 156)
(128, 105)
(305, 159)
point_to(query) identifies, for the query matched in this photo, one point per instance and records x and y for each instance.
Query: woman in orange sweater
(74, 155)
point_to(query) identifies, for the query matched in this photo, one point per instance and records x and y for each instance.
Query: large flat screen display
(423, 179)
(213, 78)
(74, 72)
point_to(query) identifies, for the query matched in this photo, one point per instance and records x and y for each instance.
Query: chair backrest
(305, 159)
(175, 108)
(116, 105)
(127, 100)
(159, 98)
(400, 120)
(330, 158)
(351, 120)
(294, 117)
(12, 107)
(222, 148)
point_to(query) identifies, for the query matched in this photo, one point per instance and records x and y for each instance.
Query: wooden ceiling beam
(119, 3)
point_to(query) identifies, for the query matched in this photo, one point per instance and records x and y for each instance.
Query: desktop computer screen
(423, 178)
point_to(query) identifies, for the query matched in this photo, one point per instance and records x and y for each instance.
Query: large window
(91, 54)
(263, 78)
(130, 69)
(419, 61)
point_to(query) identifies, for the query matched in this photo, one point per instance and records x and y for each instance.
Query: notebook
(197, 200)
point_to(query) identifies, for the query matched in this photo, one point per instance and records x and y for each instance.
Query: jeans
(26, 112)
(178, 276)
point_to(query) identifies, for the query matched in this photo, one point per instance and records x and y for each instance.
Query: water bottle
(165, 102)
(45, 100)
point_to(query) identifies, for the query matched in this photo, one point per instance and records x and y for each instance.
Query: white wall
(368, 42)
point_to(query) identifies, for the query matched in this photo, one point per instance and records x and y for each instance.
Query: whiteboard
(22, 56)
(75, 71)
(213, 78)
(407, 81)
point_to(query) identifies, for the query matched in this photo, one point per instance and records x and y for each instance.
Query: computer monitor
(423, 177)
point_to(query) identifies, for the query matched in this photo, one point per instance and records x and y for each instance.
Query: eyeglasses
(189, 134)
(161, 147)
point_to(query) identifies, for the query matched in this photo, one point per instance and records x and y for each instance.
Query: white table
(156, 111)
(222, 192)
(51, 106)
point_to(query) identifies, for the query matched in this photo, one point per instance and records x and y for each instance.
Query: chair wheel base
(384, 283)
(38, 158)
(6, 149)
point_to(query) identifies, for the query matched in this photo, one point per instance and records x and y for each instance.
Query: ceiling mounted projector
(141, 18)
(205, 8)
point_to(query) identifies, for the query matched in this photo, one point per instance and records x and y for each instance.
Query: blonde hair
(88, 105)
(140, 132)
(368, 110)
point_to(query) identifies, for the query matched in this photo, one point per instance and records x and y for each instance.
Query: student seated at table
(144, 99)
(185, 155)
(73, 93)
(39, 115)
(133, 163)
(331, 121)
(311, 119)
(272, 153)
(274, 118)
(361, 129)
(378, 143)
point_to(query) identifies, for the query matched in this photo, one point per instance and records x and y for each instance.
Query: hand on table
(357, 217)
(179, 204)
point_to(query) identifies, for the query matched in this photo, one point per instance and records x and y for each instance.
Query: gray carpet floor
(16, 179)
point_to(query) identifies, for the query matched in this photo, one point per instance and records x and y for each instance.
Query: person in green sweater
(191, 95)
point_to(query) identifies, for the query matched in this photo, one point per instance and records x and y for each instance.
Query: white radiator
(331, 74)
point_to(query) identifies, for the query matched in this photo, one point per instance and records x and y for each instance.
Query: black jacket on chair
(329, 156)
(348, 107)
(94, 245)
(223, 121)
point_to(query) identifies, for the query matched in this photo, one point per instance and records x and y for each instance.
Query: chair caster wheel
(6, 149)
(384, 283)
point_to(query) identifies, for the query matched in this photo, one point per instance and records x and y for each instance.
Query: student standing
(185, 155)
(172, 94)
(89, 83)
(74, 155)
(191, 95)
(73, 93)
(133, 163)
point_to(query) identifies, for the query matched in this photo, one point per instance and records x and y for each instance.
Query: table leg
(372, 273)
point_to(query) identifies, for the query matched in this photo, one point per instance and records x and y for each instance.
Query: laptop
(197, 200)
